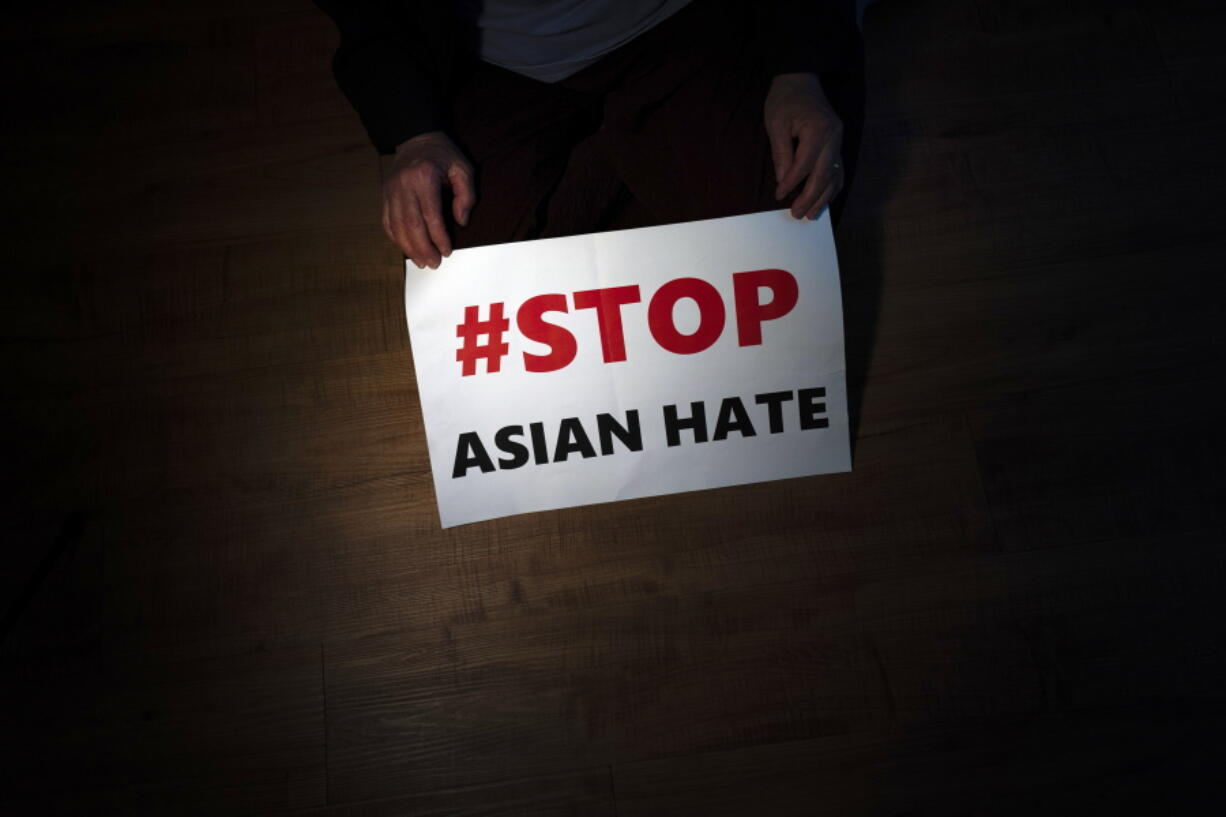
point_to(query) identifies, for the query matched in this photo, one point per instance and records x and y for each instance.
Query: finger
(781, 152)
(827, 196)
(418, 238)
(822, 201)
(421, 186)
(806, 154)
(464, 192)
(396, 227)
(432, 215)
(400, 231)
(808, 195)
(387, 224)
(823, 170)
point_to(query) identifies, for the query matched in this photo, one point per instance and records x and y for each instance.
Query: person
(514, 119)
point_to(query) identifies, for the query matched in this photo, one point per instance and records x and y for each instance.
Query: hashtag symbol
(472, 328)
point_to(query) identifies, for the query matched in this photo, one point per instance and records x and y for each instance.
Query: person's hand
(796, 110)
(412, 196)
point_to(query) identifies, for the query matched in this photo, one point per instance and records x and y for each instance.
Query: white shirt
(549, 40)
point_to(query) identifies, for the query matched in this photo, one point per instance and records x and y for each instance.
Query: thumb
(463, 190)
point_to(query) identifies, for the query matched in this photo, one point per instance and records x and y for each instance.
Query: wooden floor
(225, 588)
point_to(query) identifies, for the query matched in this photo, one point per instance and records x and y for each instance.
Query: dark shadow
(858, 217)
(70, 533)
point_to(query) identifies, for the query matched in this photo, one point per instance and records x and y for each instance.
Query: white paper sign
(630, 363)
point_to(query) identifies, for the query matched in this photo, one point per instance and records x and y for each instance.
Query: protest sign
(600, 367)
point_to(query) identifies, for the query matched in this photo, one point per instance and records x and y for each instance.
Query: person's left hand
(796, 110)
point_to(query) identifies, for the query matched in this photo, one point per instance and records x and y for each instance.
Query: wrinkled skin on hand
(413, 201)
(806, 137)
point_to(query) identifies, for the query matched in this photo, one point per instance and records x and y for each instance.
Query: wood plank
(602, 683)
(1186, 33)
(935, 52)
(946, 196)
(1123, 760)
(237, 733)
(967, 173)
(570, 794)
(619, 618)
(1022, 680)
(977, 342)
(1113, 457)
(217, 69)
(294, 82)
(224, 188)
(263, 549)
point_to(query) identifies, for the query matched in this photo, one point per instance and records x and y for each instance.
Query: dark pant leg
(684, 124)
(520, 135)
(668, 128)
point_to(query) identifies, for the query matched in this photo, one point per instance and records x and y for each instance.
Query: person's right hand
(412, 196)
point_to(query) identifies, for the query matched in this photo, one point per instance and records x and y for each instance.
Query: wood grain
(226, 589)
